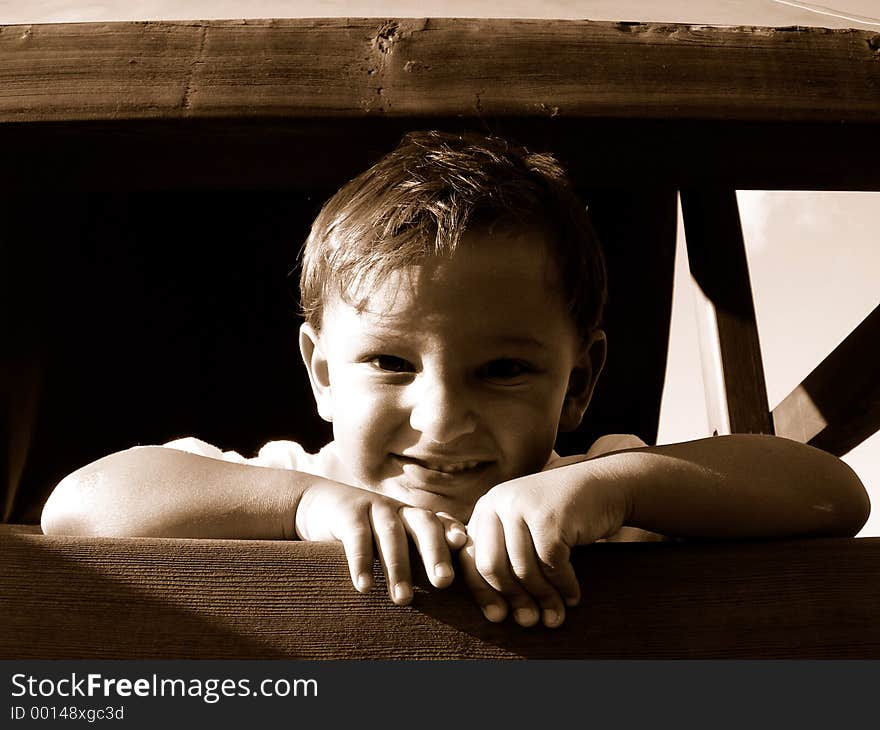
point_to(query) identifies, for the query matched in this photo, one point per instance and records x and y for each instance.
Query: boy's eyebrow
(514, 341)
(525, 341)
(387, 332)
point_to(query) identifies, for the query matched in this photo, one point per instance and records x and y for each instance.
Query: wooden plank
(733, 369)
(436, 67)
(837, 406)
(141, 598)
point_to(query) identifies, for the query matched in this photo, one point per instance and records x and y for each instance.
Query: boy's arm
(741, 486)
(163, 492)
(154, 491)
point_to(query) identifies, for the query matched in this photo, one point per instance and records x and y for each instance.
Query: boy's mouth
(443, 466)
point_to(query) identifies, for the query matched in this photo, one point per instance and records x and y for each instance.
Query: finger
(393, 547)
(491, 603)
(525, 566)
(555, 561)
(456, 534)
(428, 534)
(491, 558)
(356, 536)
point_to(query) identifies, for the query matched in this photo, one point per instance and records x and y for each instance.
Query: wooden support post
(837, 406)
(733, 370)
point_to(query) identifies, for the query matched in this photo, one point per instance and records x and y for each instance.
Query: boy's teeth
(451, 468)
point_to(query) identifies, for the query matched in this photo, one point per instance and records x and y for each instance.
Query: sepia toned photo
(449, 331)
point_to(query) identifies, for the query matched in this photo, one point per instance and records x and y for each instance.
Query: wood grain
(837, 406)
(140, 598)
(435, 67)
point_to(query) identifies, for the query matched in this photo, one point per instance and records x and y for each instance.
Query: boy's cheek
(530, 457)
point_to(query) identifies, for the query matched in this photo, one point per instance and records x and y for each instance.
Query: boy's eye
(391, 364)
(506, 369)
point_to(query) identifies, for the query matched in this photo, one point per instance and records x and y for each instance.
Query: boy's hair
(417, 201)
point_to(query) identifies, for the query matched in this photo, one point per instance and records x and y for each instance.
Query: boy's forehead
(496, 277)
(503, 253)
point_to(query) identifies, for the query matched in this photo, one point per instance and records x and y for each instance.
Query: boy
(453, 296)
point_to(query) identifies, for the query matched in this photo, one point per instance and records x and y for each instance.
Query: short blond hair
(418, 200)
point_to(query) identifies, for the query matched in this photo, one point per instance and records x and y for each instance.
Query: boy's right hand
(335, 511)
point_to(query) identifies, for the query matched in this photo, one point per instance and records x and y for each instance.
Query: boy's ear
(317, 367)
(582, 381)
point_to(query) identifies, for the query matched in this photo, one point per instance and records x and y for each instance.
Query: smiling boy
(453, 296)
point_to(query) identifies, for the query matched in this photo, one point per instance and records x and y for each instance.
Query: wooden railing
(162, 598)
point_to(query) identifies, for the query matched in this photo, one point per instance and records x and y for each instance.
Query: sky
(813, 257)
(727, 12)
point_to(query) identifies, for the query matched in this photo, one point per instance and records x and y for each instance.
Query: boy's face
(456, 375)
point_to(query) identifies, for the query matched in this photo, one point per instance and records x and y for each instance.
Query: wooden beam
(308, 103)
(155, 598)
(733, 370)
(837, 406)
(436, 67)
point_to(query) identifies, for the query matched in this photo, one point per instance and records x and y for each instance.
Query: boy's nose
(440, 412)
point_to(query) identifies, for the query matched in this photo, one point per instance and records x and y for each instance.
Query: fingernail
(551, 618)
(526, 616)
(364, 582)
(443, 570)
(402, 593)
(572, 601)
(494, 612)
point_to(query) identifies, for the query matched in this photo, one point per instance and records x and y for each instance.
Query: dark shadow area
(153, 316)
(314, 152)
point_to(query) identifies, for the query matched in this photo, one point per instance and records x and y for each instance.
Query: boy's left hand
(520, 537)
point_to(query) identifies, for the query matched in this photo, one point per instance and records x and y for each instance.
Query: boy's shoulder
(603, 445)
(281, 454)
(615, 442)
